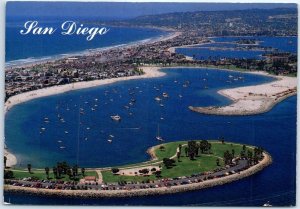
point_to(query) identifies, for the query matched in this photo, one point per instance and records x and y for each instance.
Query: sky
(120, 10)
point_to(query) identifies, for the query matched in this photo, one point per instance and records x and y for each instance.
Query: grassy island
(209, 159)
(169, 160)
(175, 167)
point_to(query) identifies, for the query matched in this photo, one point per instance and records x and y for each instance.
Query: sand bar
(250, 100)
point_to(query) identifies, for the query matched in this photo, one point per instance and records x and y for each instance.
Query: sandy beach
(149, 72)
(250, 100)
(91, 52)
(246, 100)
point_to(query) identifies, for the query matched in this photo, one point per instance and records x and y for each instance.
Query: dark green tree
(5, 159)
(218, 161)
(8, 174)
(54, 169)
(47, 172)
(115, 170)
(29, 167)
(82, 171)
(168, 162)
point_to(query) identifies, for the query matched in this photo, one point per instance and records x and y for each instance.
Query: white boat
(111, 136)
(62, 147)
(180, 96)
(267, 204)
(66, 132)
(158, 137)
(109, 140)
(165, 95)
(157, 98)
(115, 117)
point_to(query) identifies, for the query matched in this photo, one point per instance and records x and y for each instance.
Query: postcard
(150, 104)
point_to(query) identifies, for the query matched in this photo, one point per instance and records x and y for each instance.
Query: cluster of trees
(228, 156)
(169, 163)
(144, 171)
(8, 174)
(62, 168)
(252, 156)
(193, 148)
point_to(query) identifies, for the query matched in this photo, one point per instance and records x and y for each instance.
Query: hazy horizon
(123, 10)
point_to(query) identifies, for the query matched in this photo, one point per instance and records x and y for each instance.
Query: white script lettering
(70, 28)
(32, 26)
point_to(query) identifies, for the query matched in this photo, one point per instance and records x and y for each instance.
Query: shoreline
(152, 72)
(255, 99)
(149, 72)
(267, 160)
(91, 52)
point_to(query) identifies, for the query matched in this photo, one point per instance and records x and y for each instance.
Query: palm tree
(55, 172)
(5, 159)
(69, 173)
(178, 156)
(47, 172)
(82, 171)
(186, 151)
(29, 168)
(75, 170)
(179, 147)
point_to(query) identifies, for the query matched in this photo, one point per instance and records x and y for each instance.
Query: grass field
(185, 167)
(19, 174)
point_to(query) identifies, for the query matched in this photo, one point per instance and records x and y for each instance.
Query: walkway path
(100, 177)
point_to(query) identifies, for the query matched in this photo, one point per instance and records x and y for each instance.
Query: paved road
(242, 164)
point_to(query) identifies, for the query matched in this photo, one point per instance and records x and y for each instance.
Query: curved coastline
(152, 72)
(149, 72)
(267, 160)
(252, 100)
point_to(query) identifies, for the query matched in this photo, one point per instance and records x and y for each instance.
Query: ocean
(30, 48)
(86, 140)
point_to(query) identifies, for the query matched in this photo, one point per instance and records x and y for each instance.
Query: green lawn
(19, 174)
(169, 151)
(185, 167)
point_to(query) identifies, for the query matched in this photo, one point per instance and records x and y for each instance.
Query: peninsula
(252, 100)
(175, 167)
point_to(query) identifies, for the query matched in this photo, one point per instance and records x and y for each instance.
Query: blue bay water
(201, 52)
(275, 131)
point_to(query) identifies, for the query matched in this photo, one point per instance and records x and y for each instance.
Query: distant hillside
(281, 21)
